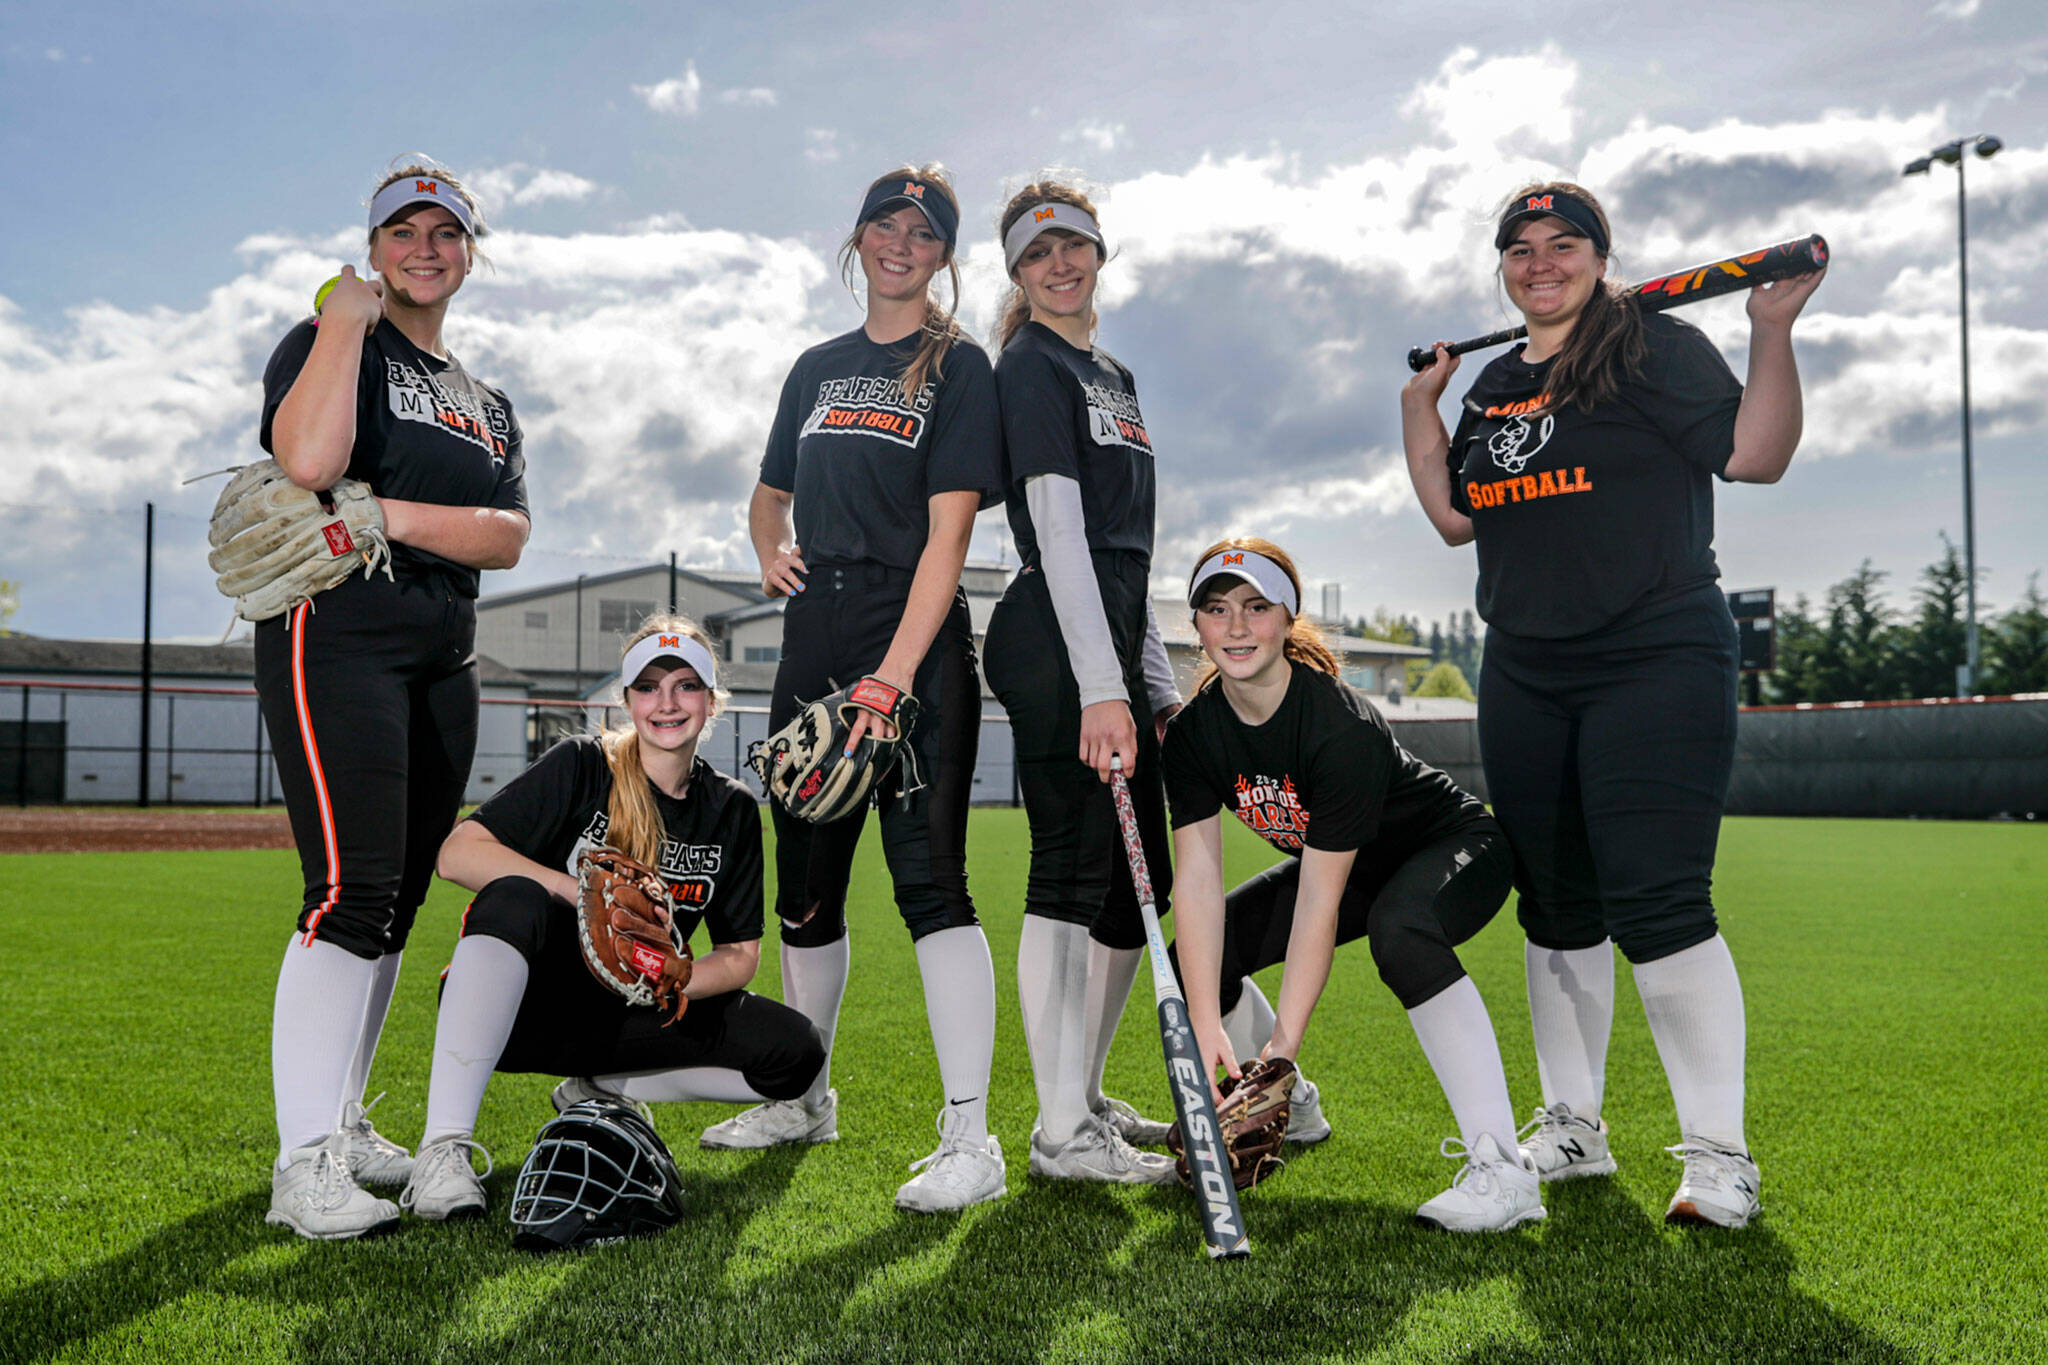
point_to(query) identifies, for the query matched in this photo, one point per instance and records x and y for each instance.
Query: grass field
(1897, 980)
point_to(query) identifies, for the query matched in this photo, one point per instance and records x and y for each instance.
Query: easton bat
(1715, 278)
(1215, 1192)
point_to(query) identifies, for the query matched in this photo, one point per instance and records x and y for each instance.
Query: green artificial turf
(1898, 1024)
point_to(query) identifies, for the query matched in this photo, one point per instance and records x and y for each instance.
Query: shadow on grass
(1051, 1272)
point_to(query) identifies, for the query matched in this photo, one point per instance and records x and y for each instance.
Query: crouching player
(1381, 846)
(518, 997)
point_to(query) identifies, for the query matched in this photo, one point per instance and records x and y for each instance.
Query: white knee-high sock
(1052, 988)
(1249, 1025)
(1110, 973)
(1694, 1002)
(1571, 1012)
(814, 984)
(721, 1083)
(479, 1002)
(315, 1023)
(381, 989)
(1457, 1036)
(960, 1000)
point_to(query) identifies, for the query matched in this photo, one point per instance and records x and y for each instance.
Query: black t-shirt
(1583, 517)
(426, 431)
(1075, 413)
(711, 858)
(864, 461)
(1325, 753)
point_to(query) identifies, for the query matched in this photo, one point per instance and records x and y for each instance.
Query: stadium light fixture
(1951, 154)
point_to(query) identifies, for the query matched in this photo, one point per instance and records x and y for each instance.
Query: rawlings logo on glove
(626, 921)
(805, 765)
(276, 544)
(1253, 1119)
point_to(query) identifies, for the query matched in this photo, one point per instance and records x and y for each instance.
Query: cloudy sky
(1297, 194)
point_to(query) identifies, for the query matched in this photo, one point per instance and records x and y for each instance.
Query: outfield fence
(80, 743)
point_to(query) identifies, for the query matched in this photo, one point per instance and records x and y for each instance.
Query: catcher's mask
(596, 1173)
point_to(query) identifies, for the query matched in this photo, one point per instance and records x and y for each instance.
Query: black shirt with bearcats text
(1075, 413)
(863, 460)
(426, 431)
(1582, 518)
(711, 858)
(1323, 772)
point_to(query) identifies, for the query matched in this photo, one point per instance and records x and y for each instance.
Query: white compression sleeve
(1054, 501)
(1160, 686)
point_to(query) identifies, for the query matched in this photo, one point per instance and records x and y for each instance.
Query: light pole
(1951, 154)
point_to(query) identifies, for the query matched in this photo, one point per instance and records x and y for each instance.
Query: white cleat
(1099, 1152)
(960, 1173)
(1560, 1145)
(775, 1123)
(1720, 1188)
(1132, 1126)
(316, 1197)
(373, 1159)
(1492, 1194)
(443, 1183)
(577, 1089)
(1305, 1122)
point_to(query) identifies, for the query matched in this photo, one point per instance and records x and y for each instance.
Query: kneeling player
(1381, 847)
(518, 997)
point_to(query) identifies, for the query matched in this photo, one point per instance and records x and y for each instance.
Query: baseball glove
(626, 921)
(1253, 1119)
(276, 545)
(805, 765)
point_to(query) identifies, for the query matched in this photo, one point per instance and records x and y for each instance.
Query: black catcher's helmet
(597, 1172)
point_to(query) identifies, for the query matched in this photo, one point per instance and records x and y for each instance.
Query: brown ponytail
(632, 818)
(1045, 189)
(1304, 644)
(940, 328)
(1606, 346)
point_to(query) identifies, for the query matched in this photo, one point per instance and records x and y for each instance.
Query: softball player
(1583, 466)
(1380, 846)
(370, 693)
(518, 996)
(1076, 658)
(884, 447)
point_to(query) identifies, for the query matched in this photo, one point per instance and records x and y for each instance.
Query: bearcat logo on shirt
(1042, 214)
(869, 405)
(691, 870)
(1114, 419)
(339, 542)
(1271, 809)
(463, 411)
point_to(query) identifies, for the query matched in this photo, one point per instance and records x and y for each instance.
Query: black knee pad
(515, 909)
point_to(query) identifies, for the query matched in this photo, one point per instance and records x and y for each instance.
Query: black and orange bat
(1746, 271)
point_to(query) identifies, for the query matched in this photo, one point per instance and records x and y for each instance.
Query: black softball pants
(834, 632)
(1607, 762)
(1079, 873)
(370, 696)
(1413, 908)
(569, 1025)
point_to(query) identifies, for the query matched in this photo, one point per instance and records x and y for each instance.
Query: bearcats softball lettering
(1583, 517)
(1075, 413)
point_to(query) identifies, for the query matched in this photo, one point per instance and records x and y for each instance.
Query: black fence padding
(1962, 760)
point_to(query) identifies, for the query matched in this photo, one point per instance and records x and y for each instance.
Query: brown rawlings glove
(805, 766)
(1253, 1119)
(626, 920)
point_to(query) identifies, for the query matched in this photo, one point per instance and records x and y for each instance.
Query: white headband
(420, 189)
(1041, 218)
(668, 645)
(1254, 568)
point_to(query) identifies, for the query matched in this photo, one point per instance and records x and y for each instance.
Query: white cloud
(1102, 136)
(518, 184)
(821, 145)
(53, 54)
(754, 97)
(1955, 9)
(676, 95)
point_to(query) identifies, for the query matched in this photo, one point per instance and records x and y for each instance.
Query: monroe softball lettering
(1528, 487)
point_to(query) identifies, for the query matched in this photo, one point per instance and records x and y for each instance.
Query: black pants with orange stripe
(370, 696)
(836, 630)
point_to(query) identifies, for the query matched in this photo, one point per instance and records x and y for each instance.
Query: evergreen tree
(2016, 646)
(1856, 661)
(1436, 642)
(1931, 647)
(1468, 644)
(1800, 640)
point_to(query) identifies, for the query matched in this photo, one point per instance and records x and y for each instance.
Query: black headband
(1552, 204)
(928, 195)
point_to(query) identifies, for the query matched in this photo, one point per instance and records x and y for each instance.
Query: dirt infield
(91, 829)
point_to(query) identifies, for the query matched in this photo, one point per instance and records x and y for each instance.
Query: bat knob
(1419, 358)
